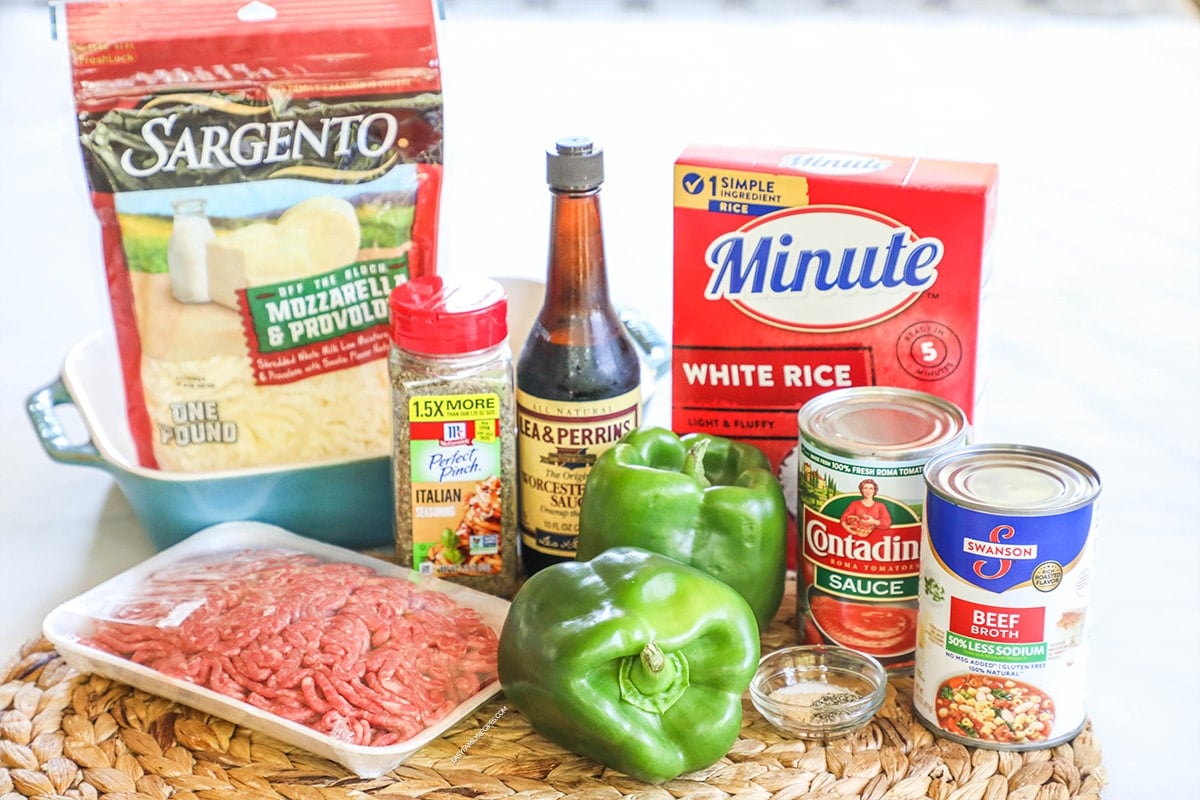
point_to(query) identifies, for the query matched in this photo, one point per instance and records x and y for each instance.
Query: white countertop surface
(1095, 349)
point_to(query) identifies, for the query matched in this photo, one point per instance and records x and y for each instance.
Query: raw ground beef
(365, 658)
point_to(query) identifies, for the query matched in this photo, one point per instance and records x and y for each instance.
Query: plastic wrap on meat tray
(345, 655)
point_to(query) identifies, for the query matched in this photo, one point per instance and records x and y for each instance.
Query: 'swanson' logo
(822, 268)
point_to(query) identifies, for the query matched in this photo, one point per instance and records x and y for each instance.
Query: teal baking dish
(347, 503)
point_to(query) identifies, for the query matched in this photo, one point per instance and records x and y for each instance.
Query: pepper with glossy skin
(704, 500)
(632, 659)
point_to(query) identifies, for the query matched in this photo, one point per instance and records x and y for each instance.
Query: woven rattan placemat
(66, 734)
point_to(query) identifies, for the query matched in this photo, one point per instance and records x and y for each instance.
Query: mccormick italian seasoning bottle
(578, 375)
(454, 455)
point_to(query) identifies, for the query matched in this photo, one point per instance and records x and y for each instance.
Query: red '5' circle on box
(929, 350)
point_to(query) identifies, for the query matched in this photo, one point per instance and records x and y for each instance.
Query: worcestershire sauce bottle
(578, 375)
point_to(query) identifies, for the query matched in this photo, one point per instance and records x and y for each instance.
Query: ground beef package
(264, 175)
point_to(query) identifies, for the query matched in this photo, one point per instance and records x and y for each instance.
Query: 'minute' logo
(822, 268)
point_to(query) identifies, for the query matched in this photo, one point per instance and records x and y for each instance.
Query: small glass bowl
(818, 691)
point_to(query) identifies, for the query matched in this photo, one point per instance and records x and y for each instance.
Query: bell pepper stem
(653, 680)
(693, 462)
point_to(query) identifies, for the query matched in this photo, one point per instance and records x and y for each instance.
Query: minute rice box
(798, 271)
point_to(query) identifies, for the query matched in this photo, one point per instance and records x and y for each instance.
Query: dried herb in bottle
(454, 450)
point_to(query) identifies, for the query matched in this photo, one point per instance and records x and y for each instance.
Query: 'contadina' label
(557, 444)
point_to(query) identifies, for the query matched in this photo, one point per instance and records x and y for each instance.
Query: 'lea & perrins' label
(557, 444)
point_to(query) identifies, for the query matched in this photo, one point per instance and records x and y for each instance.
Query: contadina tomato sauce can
(863, 454)
(1005, 579)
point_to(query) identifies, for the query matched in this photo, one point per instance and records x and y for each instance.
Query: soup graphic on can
(994, 709)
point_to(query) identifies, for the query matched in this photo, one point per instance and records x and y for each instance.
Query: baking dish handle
(653, 349)
(41, 407)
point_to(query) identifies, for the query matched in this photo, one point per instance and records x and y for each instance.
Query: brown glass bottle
(578, 375)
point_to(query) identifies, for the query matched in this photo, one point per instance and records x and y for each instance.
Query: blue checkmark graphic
(693, 183)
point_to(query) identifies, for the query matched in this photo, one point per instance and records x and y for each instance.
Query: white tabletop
(1095, 349)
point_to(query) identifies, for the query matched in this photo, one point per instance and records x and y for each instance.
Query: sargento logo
(169, 144)
(822, 268)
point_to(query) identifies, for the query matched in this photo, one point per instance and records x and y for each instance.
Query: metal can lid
(575, 164)
(881, 422)
(1012, 479)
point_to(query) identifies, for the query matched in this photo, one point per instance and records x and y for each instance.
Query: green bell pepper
(704, 500)
(632, 659)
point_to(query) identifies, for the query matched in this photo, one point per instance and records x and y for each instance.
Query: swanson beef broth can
(1005, 579)
(860, 484)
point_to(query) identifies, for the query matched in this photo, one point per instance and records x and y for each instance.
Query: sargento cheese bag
(264, 174)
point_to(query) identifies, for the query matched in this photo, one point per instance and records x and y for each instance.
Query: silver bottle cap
(575, 164)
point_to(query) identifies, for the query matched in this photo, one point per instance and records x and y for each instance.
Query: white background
(1094, 347)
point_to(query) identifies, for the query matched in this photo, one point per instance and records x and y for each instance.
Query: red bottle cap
(435, 316)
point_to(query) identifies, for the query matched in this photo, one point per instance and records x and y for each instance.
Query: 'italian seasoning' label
(557, 444)
(455, 467)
